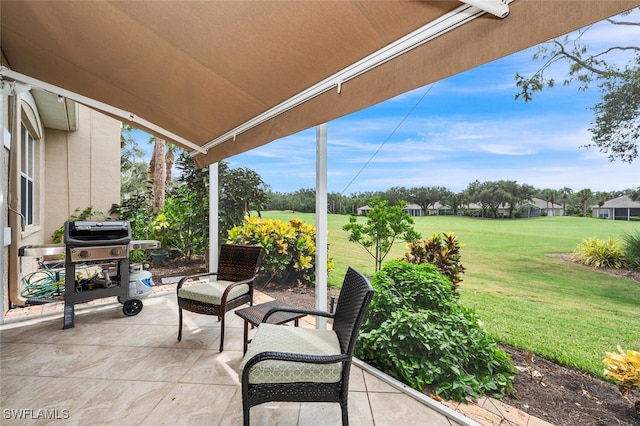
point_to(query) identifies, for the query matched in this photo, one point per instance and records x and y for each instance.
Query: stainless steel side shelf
(42, 250)
(59, 249)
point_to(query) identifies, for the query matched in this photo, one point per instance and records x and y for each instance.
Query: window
(603, 213)
(27, 174)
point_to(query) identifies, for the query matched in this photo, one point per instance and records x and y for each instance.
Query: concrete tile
(213, 367)
(162, 364)
(194, 338)
(376, 385)
(132, 370)
(191, 404)
(356, 380)
(116, 334)
(68, 360)
(275, 413)
(122, 402)
(42, 331)
(320, 414)
(359, 409)
(479, 414)
(513, 415)
(66, 396)
(397, 408)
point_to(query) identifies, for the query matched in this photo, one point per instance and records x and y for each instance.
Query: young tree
(385, 224)
(616, 129)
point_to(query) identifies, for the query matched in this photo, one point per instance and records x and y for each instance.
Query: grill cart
(97, 265)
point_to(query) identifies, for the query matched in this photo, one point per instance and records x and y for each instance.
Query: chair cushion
(283, 338)
(212, 291)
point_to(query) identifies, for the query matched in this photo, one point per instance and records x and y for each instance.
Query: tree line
(489, 196)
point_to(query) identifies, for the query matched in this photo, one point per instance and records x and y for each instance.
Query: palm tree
(158, 173)
(585, 195)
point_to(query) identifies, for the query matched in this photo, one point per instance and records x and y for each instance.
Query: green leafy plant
(188, 209)
(160, 230)
(418, 332)
(441, 250)
(600, 253)
(86, 214)
(290, 248)
(186, 231)
(632, 249)
(138, 212)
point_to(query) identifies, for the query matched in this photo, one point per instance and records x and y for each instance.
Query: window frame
(27, 176)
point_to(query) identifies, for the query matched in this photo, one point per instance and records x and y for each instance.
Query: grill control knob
(84, 254)
(115, 251)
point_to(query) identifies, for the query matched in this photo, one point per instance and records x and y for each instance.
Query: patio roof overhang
(221, 78)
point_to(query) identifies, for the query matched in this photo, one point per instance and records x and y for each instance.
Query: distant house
(537, 207)
(411, 209)
(621, 208)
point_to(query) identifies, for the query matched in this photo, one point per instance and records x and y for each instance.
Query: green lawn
(564, 312)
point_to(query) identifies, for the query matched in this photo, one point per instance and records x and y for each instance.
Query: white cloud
(467, 127)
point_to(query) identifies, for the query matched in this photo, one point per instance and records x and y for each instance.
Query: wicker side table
(254, 314)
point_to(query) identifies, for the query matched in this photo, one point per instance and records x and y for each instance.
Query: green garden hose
(42, 284)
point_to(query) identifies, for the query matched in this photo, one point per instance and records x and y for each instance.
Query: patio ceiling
(202, 70)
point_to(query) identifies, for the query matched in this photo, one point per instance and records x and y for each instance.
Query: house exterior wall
(72, 170)
(602, 213)
(83, 168)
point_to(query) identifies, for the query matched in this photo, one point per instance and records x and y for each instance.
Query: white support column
(214, 224)
(321, 222)
(3, 134)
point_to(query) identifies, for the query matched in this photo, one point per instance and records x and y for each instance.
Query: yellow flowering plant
(290, 248)
(624, 367)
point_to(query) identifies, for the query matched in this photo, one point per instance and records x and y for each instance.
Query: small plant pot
(157, 256)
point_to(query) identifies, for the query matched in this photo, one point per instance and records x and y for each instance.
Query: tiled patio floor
(131, 370)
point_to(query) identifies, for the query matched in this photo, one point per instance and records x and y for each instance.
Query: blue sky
(457, 130)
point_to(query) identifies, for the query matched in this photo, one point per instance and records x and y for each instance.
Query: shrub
(138, 212)
(632, 249)
(441, 250)
(290, 248)
(624, 367)
(417, 331)
(600, 253)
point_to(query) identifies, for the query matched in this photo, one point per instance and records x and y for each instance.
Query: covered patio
(112, 369)
(221, 78)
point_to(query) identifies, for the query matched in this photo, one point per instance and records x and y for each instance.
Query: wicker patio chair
(232, 286)
(296, 364)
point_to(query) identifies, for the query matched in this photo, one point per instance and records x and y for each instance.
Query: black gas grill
(97, 265)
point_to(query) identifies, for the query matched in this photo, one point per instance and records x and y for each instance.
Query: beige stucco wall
(74, 170)
(83, 168)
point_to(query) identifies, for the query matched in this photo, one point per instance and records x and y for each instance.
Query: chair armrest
(190, 277)
(290, 357)
(249, 281)
(296, 310)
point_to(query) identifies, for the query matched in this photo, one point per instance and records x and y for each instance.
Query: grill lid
(97, 233)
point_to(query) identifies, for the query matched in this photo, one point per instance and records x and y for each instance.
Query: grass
(564, 312)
